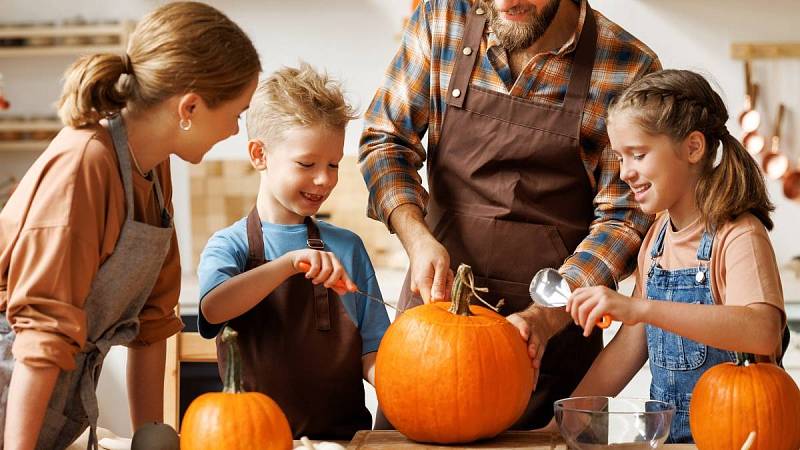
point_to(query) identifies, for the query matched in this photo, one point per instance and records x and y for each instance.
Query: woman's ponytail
(94, 86)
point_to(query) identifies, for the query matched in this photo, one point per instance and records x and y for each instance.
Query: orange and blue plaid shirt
(411, 103)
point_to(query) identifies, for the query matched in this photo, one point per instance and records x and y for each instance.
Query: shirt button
(467, 51)
(479, 11)
(456, 92)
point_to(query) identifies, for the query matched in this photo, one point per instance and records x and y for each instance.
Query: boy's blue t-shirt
(225, 256)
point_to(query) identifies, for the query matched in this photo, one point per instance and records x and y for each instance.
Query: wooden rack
(26, 126)
(765, 50)
(117, 32)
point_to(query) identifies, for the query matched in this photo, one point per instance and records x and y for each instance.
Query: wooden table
(510, 440)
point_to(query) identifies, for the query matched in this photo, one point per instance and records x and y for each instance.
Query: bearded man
(512, 95)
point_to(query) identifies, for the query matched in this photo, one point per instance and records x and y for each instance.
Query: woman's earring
(186, 124)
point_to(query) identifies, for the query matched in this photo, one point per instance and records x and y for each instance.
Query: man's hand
(536, 326)
(431, 276)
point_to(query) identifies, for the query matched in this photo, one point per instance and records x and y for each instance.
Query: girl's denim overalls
(676, 363)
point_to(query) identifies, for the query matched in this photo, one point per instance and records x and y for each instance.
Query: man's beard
(515, 35)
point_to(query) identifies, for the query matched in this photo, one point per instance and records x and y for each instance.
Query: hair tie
(724, 133)
(127, 67)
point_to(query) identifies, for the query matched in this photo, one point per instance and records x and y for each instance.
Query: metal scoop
(548, 288)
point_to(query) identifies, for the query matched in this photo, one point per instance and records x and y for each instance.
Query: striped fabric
(411, 103)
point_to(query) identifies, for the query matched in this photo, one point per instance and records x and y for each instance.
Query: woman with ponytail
(88, 255)
(707, 283)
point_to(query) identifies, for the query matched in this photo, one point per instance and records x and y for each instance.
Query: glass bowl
(588, 423)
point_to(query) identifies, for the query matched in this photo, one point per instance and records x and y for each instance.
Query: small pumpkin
(234, 419)
(453, 373)
(731, 400)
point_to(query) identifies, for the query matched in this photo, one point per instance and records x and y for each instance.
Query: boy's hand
(587, 305)
(325, 268)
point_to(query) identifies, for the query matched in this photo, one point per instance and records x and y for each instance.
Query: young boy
(304, 343)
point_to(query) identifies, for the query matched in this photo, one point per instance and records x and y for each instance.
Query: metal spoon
(548, 288)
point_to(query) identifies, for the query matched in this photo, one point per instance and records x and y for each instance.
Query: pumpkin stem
(745, 359)
(461, 293)
(233, 369)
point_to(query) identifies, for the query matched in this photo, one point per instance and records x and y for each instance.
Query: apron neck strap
(466, 55)
(255, 240)
(582, 65)
(119, 136)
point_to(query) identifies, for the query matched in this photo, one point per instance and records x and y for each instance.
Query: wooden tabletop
(510, 440)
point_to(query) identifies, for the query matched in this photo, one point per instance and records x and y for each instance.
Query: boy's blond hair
(293, 97)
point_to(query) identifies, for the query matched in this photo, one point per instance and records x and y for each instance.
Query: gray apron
(118, 294)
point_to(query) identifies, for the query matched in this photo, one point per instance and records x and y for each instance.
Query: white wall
(355, 39)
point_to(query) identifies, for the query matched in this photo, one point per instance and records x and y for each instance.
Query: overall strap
(658, 247)
(467, 55)
(706, 244)
(322, 307)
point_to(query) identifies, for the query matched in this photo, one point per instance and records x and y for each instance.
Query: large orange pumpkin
(234, 419)
(731, 400)
(452, 373)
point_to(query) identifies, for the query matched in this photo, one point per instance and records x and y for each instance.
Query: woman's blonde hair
(178, 48)
(293, 97)
(677, 102)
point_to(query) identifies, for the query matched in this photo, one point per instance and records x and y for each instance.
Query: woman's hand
(587, 306)
(325, 269)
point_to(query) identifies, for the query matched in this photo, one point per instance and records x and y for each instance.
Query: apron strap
(582, 65)
(322, 306)
(120, 139)
(255, 240)
(467, 55)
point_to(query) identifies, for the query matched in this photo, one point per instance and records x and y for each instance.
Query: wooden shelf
(28, 145)
(120, 31)
(31, 125)
(765, 50)
(23, 146)
(58, 50)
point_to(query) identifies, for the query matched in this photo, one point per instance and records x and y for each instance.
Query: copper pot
(791, 183)
(750, 120)
(775, 163)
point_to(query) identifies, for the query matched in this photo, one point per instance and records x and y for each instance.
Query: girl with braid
(707, 282)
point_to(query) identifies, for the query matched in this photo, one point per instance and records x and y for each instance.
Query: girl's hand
(587, 305)
(325, 269)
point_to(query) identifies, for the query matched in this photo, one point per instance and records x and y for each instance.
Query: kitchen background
(354, 40)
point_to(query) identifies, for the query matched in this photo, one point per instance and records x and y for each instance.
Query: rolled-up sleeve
(49, 277)
(391, 151)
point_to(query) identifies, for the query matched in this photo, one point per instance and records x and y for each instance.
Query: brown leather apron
(509, 195)
(301, 348)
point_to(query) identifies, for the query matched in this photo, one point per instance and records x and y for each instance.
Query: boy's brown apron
(301, 348)
(509, 195)
(118, 294)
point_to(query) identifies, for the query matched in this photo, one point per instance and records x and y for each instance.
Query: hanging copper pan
(752, 140)
(749, 118)
(791, 183)
(775, 163)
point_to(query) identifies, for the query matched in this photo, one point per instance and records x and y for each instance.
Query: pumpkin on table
(731, 400)
(453, 373)
(234, 419)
